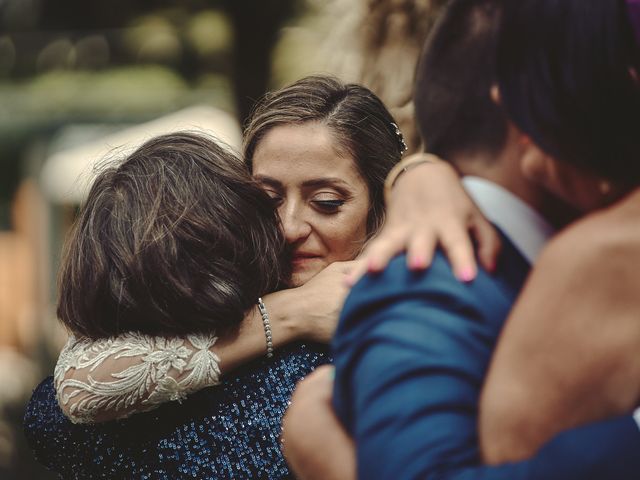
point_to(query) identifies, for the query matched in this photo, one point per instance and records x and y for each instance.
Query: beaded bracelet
(403, 166)
(267, 327)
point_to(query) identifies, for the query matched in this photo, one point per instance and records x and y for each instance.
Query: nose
(295, 225)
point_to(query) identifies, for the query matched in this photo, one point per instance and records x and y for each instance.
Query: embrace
(200, 288)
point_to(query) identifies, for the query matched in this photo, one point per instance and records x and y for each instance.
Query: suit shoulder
(397, 278)
(488, 296)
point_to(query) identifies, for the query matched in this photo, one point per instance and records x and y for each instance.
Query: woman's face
(322, 199)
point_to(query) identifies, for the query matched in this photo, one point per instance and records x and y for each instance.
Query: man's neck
(504, 170)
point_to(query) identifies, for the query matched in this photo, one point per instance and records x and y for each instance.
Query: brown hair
(174, 239)
(361, 124)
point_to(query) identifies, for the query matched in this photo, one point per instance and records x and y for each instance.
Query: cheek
(346, 237)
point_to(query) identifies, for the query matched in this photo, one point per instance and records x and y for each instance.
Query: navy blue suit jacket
(411, 353)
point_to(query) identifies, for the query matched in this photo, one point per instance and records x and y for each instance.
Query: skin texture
(330, 442)
(322, 199)
(568, 353)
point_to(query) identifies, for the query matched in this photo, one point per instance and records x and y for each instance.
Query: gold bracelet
(403, 166)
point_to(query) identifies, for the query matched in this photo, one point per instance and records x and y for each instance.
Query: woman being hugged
(321, 151)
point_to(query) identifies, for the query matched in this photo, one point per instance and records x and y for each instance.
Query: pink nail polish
(466, 274)
(417, 263)
(373, 266)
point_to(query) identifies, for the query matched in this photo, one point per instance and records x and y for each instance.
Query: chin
(300, 278)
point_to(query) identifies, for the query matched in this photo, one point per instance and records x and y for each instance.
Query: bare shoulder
(607, 239)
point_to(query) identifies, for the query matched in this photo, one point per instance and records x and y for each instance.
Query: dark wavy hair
(564, 70)
(454, 109)
(174, 239)
(361, 125)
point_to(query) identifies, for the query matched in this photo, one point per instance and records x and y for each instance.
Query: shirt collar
(524, 226)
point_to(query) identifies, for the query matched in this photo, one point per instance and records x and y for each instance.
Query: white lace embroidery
(119, 376)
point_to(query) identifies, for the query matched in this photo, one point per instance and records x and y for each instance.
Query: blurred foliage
(72, 61)
(119, 62)
(40, 105)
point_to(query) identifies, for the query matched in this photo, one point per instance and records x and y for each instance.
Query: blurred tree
(79, 47)
(45, 33)
(256, 26)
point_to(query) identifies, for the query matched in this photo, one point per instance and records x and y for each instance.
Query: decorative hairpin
(403, 145)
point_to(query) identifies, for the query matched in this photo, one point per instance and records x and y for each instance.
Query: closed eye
(328, 206)
(276, 199)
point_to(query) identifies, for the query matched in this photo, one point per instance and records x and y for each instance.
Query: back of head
(174, 239)
(566, 76)
(455, 113)
(362, 127)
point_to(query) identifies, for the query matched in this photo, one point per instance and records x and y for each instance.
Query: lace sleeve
(116, 377)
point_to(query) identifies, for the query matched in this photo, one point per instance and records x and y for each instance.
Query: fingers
(386, 246)
(422, 246)
(458, 248)
(488, 243)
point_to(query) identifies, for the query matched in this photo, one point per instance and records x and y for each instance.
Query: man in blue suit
(412, 349)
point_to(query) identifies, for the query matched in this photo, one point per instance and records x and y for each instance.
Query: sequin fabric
(226, 432)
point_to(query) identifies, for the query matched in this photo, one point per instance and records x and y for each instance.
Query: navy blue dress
(223, 432)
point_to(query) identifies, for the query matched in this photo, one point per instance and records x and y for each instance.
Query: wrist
(285, 321)
(400, 169)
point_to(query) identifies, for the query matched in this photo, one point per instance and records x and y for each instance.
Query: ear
(536, 166)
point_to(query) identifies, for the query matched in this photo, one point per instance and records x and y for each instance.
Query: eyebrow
(311, 183)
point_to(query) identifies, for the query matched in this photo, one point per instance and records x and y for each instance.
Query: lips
(303, 257)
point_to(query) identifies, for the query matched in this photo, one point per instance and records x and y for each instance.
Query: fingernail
(418, 262)
(373, 265)
(466, 274)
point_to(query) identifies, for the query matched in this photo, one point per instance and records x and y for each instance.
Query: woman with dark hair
(586, 121)
(573, 90)
(321, 151)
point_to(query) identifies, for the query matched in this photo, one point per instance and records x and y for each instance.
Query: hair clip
(403, 145)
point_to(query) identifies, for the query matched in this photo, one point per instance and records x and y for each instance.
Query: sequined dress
(230, 431)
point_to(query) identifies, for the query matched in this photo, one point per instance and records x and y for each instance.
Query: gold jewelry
(404, 165)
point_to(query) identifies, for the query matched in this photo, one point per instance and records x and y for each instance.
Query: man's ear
(537, 166)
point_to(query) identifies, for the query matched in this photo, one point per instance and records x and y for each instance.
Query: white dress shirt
(524, 226)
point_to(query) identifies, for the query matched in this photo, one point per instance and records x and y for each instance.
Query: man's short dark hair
(175, 239)
(565, 77)
(454, 110)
